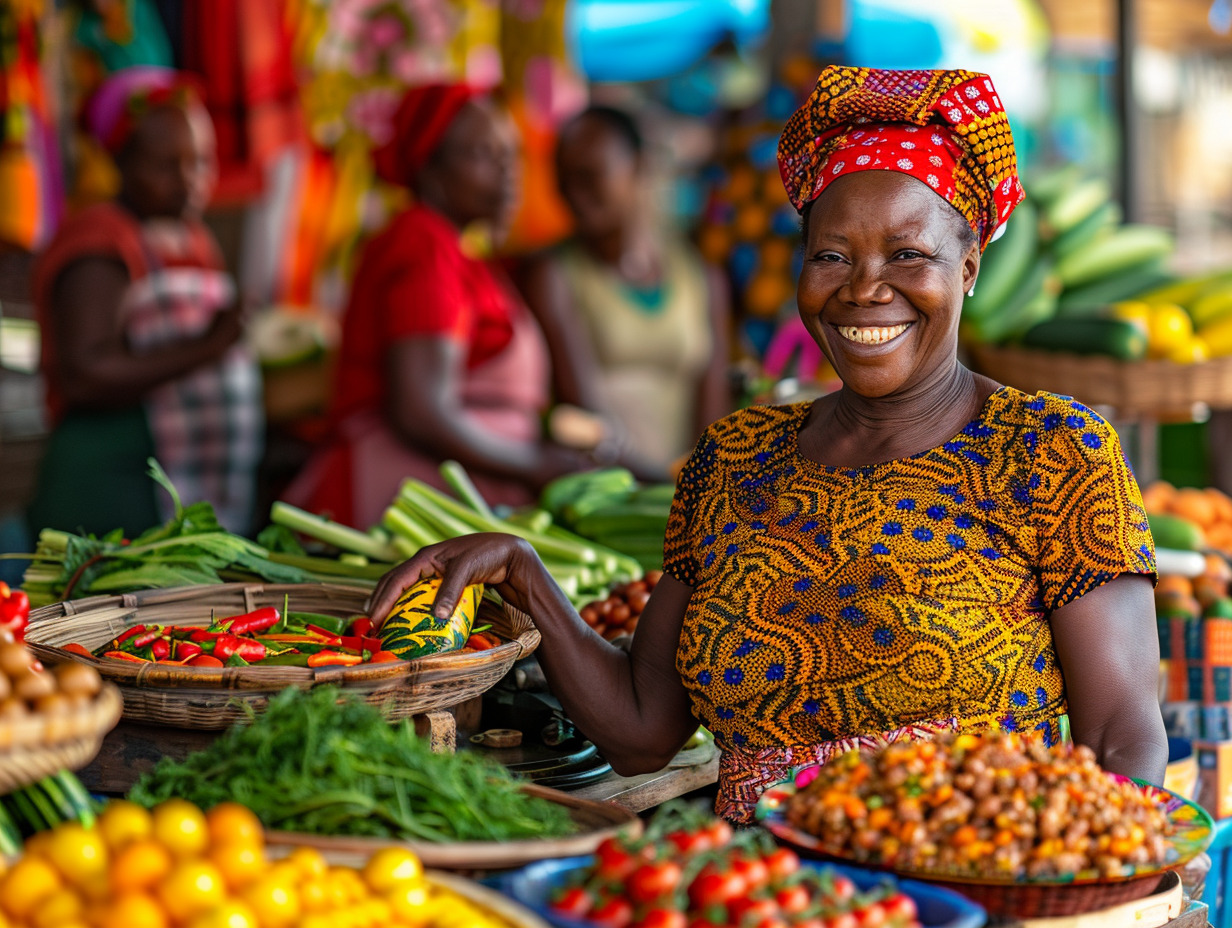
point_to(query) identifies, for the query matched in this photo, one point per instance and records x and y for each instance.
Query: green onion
(340, 536)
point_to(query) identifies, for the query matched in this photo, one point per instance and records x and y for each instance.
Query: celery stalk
(340, 536)
(460, 482)
(405, 528)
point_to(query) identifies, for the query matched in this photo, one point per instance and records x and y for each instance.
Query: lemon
(1192, 351)
(1169, 327)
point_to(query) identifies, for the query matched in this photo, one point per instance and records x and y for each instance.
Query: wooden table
(637, 794)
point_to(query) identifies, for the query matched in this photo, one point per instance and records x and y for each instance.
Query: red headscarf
(112, 113)
(422, 118)
(945, 128)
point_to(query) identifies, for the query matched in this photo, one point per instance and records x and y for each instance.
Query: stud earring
(971, 292)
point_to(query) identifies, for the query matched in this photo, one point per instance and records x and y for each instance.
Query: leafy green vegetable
(326, 763)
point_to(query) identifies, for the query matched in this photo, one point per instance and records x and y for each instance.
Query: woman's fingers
(397, 582)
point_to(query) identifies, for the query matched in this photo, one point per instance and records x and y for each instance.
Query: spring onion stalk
(613, 561)
(460, 482)
(340, 536)
(406, 528)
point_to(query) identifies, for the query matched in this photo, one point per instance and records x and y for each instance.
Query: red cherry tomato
(747, 909)
(842, 920)
(781, 862)
(792, 899)
(772, 922)
(753, 870)
(574, 902)
(689, 843)
(613, 861)
(615, 913)
(873, 916)
(651, 882)
(719, 833)
(842, 888)
(814, 922)
(663, 918)
(714, 887)
(900, 908)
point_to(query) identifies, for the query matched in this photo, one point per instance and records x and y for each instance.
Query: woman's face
(886, 263)
(170, 166)
(474, 170)
(599, 175)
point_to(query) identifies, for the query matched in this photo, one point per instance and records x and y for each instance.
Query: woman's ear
(971, 268)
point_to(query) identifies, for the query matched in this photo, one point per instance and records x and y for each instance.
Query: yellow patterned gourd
(412, 630)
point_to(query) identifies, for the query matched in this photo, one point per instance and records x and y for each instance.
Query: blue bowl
(939, 908)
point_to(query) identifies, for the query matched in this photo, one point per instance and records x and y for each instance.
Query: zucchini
(1074, 205)
(1175, 533)
(1093, 297)
(1099, 223)
(1113, 337)
(1031, 302)
(641, 519)
(1120, 251)
(1005, 265)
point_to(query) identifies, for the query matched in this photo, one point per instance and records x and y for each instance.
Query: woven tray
(37, 746)
(595, 820)
(215, 697)
(1146, 388)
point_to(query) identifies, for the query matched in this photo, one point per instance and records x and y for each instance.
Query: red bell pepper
(14, 612)
(256, 621)
(160, 649)
(333, 659)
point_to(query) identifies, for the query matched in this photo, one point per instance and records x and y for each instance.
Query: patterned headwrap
(945, 128)
(422, 118)
(112, 113)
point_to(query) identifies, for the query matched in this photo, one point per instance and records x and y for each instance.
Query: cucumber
(1032, 301)
(643, 519)
(1126, 248)
(1113, 337)
(84, 807)
(593, 502)
(10, 835)
(26, 814)
(1100, 222)
(1098, 295)
(1073, 206)
(1046, 187)
(564, 490)
(1005, 265)
(660, 494)
(1175, 533)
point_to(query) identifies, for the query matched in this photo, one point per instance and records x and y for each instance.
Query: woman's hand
(505, 562)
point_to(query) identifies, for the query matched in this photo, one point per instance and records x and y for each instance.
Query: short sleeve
(680, 543)
(1086, 505)
(427, 296)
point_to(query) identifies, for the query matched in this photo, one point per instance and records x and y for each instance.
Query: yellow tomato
(407, 901)
(123, 822)
(77, 852)
(193, 887)
(132, 910)
(180, 827)
(62, 906)
(232, 823)
(140, 865)
(275, 905)
(308, 861)
(229, 914)
(29, 882)
(391, 867)
(239, 864)
(1169, 326)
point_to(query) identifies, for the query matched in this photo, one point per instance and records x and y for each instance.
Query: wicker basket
(595, 821)
(1048, 900)
(214, 697)
(37, 745)
(1133, 388)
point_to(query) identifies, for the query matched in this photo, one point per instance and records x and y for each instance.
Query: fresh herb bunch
(326, 763)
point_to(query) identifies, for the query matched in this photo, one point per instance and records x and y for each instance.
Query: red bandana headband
(422, 118)
(947, 129)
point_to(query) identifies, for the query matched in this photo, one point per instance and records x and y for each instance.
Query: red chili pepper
(125, 656)
(480, 642)
(249, 650)
(160, 649)
(256, 621)
(148, 637)
(360, 644)
(201, 635)
(186, 649)
(131, 633)
(360, 627)
(204, 660)
(225, 645)
(333, 659)
(80, 649)
(14, 612)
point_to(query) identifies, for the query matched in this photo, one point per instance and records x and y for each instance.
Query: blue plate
(939, 908)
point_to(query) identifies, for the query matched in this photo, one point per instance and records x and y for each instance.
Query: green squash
(412, 630)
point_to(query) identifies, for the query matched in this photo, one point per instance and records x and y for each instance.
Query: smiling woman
(923, 550)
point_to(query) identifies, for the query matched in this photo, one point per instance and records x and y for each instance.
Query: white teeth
(871, 335)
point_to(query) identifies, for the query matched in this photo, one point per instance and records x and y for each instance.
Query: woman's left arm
(714, 393)
(1108, 647)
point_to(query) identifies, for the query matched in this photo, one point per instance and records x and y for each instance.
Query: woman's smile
(872, 335)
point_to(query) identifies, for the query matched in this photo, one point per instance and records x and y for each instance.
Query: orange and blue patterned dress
(837, 607)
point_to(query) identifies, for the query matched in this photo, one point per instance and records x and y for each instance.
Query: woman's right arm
(95, 368)
(425, 409)
(633, 706)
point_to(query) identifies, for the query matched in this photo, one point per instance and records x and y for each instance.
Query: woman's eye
(909, 254)
(828, 257)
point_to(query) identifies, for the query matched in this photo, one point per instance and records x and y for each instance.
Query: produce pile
(619, 613)
(993, 807)
(1189, 519)
(56, 698)
(176, 865)
(612, 509)
(323, 763)
(690, 870)
(1067, 276)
